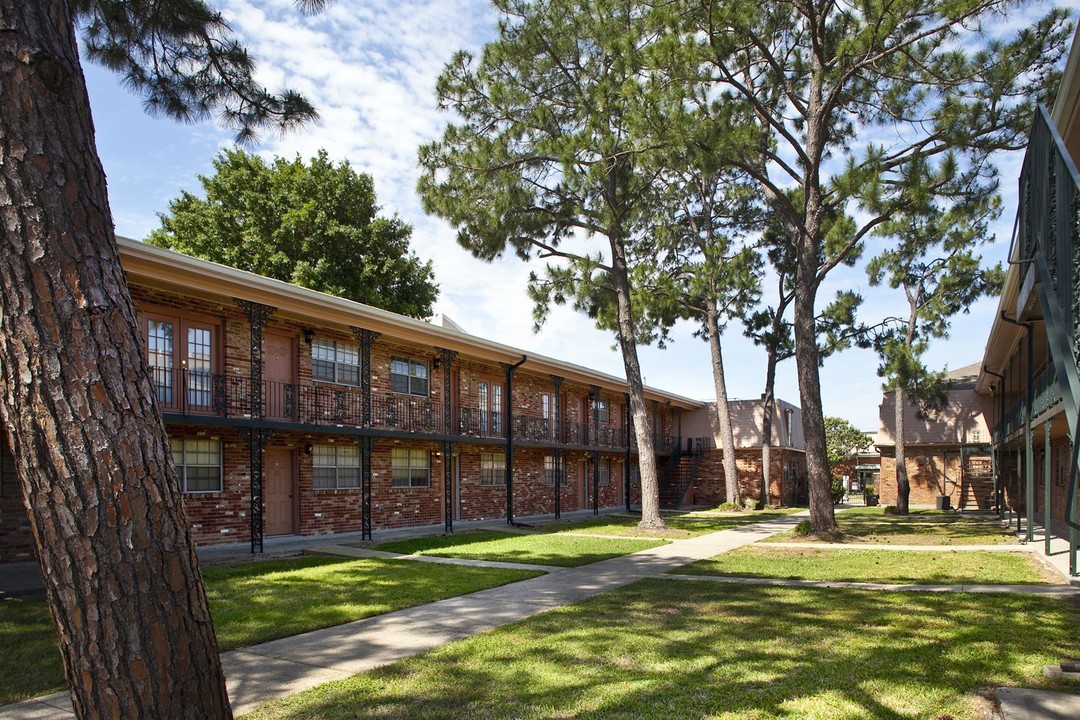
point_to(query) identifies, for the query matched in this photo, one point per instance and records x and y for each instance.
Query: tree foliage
(314, 224)
(843, 440)
(183, 59)
(546, 161)
(820, 80)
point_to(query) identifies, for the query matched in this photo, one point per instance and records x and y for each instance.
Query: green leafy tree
(76, 398)
(312, 224)
(843, 440)
(933, 261)
(545, 161)
(819, 79)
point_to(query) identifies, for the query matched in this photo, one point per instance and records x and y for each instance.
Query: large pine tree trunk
(822, 518)
(903, 485)
(650, 484)
(76, 401)
(768, 404)
(723, 411)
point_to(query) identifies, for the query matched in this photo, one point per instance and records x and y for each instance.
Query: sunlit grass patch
(542, 548)
(252, 603)
(882, 566)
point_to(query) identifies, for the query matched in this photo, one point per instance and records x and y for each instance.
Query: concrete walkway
(287, 666)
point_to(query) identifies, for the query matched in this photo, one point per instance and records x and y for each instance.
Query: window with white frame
(408, 376)
(335, 466)
(600, 407)
(492, 469)
(605, 471)
(335, 362)
(410, 468)
(198, 463)
(553, 471)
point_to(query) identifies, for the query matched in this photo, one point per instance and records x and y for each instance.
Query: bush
(803, 528)
(749, 503)
(838, 489)
(728, 507)
(891, 510)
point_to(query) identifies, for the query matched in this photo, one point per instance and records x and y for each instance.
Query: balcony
(182, 392)
(1045, 395)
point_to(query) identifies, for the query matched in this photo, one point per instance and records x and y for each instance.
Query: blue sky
(370, 67)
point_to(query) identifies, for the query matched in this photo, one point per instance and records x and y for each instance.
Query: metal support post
(556, 420)
(509, 414)
(1046, 488)
(595, 395)
(1029, 469)
(366, 339)
(446, 359)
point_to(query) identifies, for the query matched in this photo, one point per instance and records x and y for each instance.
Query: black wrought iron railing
(184, 392)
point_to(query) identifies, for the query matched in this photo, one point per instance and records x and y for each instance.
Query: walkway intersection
(287, 666)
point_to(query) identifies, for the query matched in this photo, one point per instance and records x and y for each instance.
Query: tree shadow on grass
(668, 649)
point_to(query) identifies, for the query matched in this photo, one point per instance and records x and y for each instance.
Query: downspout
(510, 437)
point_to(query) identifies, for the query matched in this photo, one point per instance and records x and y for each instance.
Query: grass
(253, 603)
(529, 548)
(882, 566)
(669, 649)
(927, 527)
(679, 526)
(30, 663)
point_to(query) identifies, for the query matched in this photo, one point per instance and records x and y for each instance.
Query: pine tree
(76, 401)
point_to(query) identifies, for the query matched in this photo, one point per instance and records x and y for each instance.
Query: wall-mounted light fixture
(307, 449)
(435, 362)
(309, 335)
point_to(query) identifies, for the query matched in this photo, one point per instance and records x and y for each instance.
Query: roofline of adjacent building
(1004, 336)
(191, 275)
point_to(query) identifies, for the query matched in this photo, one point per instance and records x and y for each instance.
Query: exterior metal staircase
(679, 474)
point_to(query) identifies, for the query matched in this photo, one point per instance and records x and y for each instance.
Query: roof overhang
(174, 271)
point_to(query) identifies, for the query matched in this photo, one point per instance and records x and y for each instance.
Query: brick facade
(223, 515)
(932, 471)
(16, 543)
(787, 477)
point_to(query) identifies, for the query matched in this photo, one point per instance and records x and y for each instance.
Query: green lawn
(529, 548)
(667, 649)
(679, 526)
(883, 566)
(926, 527)
(253, 603)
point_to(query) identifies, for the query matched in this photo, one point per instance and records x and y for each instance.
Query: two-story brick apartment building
(291, 411)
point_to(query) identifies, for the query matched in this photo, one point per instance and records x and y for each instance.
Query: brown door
(278, 492)
(279, 376)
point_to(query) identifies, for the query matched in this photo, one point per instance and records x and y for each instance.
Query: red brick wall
(710, 488)
(224, 516)
(16, 540)
(926, 468)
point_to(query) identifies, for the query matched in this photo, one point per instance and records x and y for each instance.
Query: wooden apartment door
(279, 376)
(278, 493)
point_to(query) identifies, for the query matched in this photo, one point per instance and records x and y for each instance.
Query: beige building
(695, 476)
(947, 455)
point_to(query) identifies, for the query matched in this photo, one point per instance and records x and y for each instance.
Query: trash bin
(943, 502)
